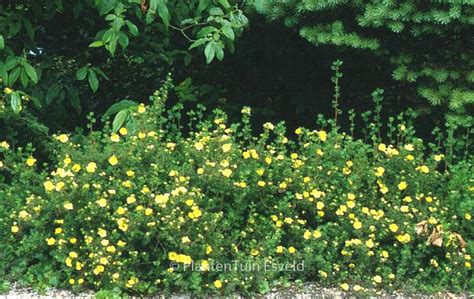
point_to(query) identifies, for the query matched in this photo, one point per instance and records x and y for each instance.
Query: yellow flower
(227, 172)
(72, 281)
(467, 216)
(218, 284)
(208, 249)
(141, 108)
(115, 137)
(344, 286)
(322, 135)
(402, 185)
(307, 235)
(298, 131)
(424, 169)
(73, 254)
(102, 202)
(63, 138)
(226, 147)
(291, 249)
(91, 167)
(410, 158)
(409, 147)
(438, 158)
(379, 171)
(261, 183)
(123, 131)
(199, 146)
(377, 278)
(404, 238)
(351, 196)
(369, 243)
(393, 228)
(357, 225)
(30, 161)
(317, 234)
(382, 147)
(68, 206)
(113, 160)
(279, 249)
(15, 229)
(385, 254)
(76, 167)
(50, 241)
(8, 90)
(48, 186)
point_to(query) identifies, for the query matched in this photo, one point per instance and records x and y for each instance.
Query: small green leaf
(31, 72)
(96, 44)
(2, 42)
(93, 81)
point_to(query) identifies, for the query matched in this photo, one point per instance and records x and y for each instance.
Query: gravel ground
(303, 292)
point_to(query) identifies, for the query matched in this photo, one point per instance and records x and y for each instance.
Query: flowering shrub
(152, 209)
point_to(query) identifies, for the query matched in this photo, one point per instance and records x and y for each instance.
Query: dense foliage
(426, 43)
(154, 209)
(51, 51)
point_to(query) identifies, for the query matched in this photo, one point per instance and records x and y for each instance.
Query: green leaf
(15, 102)
(197, 43)
(203, 4)
(52, 93)
(82, 73)
(124, 104)
(74, 99)
(96, 44)
(164, 13)
(13, 76)
(132, 28)
(210, 52)
(93, 81)
(224, 3)
(30, 31)
(205, 31)
(119, 120)
(3, 72)
(31, 72)
(2, 42)
(228, 32)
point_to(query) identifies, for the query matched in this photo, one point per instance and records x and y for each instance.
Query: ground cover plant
(154, 202)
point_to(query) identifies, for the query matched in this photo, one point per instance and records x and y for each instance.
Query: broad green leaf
(15, 102)
(224, 3)
(219, 51)
(132, 28)
(30, 31)
(228, 32)
(93, 81)
(153, 5)
(81, 73)
(205, 31)
(13, 76)
(24, 78)
(124, 104)
(52, 93)
(210, 52)
(197, 43)
(2, 42)
(3, 72)
(31, 72)
(203, 5)
(73, 96)
(119, 120)
(164, 13)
